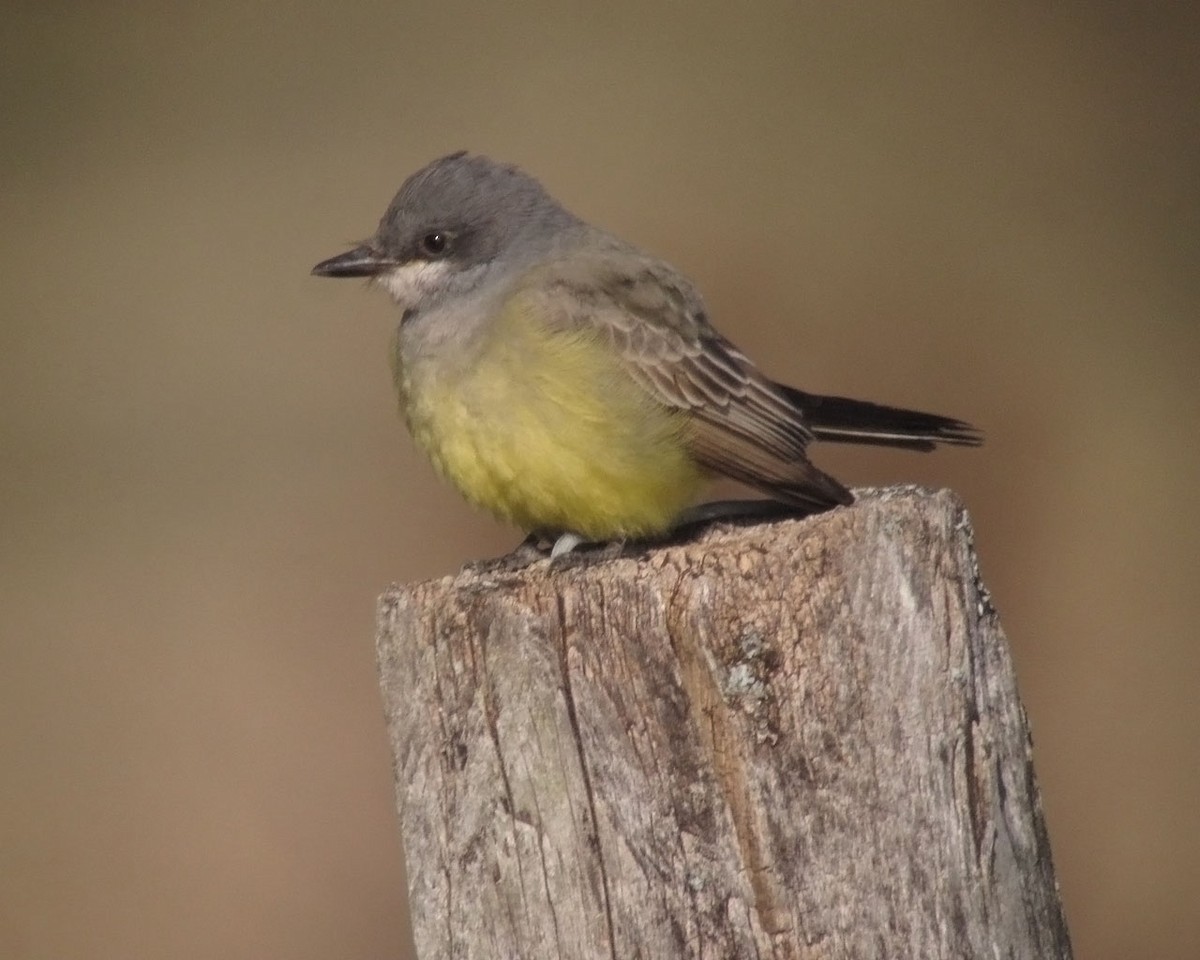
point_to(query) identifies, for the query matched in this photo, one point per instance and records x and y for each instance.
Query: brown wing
(742, 425)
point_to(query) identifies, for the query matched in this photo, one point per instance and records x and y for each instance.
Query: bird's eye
(435, 244)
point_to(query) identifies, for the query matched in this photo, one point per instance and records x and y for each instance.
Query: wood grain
(794, 740)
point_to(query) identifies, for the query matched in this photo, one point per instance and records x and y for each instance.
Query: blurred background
(987, 211)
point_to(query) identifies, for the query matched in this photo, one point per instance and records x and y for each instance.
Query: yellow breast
(546, 430)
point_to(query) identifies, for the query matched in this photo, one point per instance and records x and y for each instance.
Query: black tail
(856, 421)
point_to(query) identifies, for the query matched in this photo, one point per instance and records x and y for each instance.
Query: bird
(572, 384)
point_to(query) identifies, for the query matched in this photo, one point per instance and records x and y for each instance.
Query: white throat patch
(410, 283)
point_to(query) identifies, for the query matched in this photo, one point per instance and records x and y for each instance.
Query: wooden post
(792, 740)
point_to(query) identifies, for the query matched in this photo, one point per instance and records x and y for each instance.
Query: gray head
(449, 223)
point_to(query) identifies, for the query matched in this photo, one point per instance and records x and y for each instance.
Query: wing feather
(742, 425)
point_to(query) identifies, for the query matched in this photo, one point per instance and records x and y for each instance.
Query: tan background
(990, 212)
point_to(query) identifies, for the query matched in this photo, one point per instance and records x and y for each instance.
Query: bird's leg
(565, 544)
(572, 550)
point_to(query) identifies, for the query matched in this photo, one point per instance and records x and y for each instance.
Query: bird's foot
(572, 551)
(528, 551)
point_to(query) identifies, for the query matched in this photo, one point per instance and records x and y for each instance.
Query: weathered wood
(792, 740)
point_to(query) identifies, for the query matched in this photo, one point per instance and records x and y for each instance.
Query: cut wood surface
(797, 739)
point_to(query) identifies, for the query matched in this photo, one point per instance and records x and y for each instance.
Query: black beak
(362, 261)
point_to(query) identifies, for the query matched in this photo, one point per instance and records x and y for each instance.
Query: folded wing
(741, 425)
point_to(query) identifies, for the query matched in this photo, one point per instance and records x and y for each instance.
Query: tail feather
(843, 420)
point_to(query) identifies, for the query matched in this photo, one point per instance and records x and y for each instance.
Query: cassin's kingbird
(572, 384)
